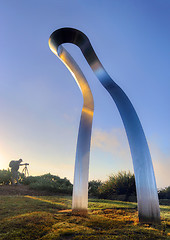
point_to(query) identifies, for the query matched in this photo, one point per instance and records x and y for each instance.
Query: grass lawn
(49, 217)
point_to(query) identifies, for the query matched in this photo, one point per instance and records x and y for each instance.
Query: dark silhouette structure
(14, 165)
(25, 170)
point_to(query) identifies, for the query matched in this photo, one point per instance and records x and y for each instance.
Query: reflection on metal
(81, 172)
(148, 205)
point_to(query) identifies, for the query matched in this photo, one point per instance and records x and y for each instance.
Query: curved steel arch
(81, 171)
(147, 197)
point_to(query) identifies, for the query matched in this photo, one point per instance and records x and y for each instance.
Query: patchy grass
(49, 218)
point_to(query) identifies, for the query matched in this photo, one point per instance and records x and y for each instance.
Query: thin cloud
(115, 142)
(161, 163)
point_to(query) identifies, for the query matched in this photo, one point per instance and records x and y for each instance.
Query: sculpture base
(149, 220)
(80, 212)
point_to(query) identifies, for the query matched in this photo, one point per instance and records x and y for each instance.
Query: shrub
(121, 184)
(49, 183)
(164, 193)
(5, 177)
(94, 188)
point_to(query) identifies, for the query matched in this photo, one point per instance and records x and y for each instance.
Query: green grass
(49, 217)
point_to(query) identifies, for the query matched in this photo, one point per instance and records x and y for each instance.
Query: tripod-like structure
(25, 171)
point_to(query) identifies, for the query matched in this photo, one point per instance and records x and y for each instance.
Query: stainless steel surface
(147, 197)
(81, 172)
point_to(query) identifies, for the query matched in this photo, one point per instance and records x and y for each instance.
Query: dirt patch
(21, 190)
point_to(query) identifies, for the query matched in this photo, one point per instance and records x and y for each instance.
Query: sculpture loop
(147, 197)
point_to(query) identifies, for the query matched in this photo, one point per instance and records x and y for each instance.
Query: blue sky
(40, 103)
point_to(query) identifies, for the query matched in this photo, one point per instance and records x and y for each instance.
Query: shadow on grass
(42, 218)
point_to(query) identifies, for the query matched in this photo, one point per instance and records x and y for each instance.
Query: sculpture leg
(81, 172)
(147, 197)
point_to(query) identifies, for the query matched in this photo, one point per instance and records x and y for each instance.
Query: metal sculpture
(81, 171)
(147, 197)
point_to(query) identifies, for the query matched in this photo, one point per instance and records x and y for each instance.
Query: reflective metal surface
(147, 197)
(81, 172)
